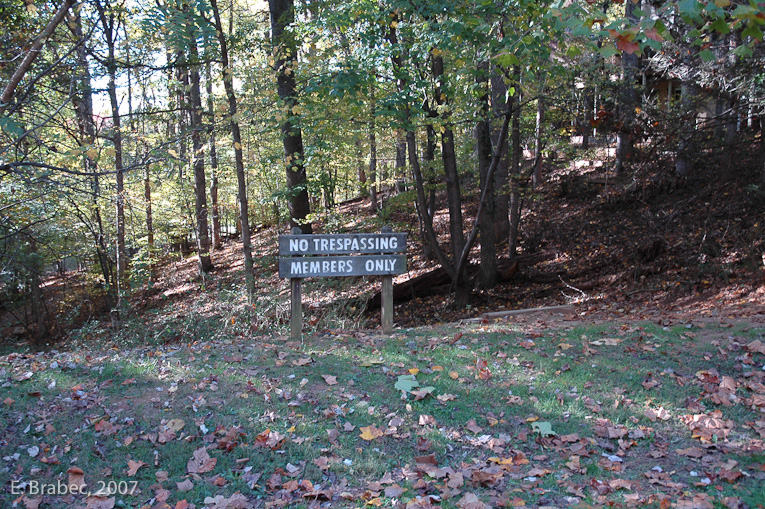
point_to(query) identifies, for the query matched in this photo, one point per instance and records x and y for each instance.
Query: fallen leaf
(175, 425)
(370, 433)
(184, 486)
(330, 379)
(76, 477)
(200, 462)
(133, 467)
(94, 502)
(473, 427)
(471, 501)
(543, 428)
(691, 452)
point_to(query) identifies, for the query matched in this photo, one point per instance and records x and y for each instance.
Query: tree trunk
(453, 194)
(630, 98)
(285, 59)
(361, 171)
(398, 171)
(372, 150)
(39, 309)
(213, 163)
(244, 221)
(149, 219)
(537, 177)
(82, 100)
(200, 186)
(515, 171)
(429, 158)
(586, 117)
(685, 148)
(108, 23)
(762, 161)
(488, 272)
(500, 102)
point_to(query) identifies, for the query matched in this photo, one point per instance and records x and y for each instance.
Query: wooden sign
(376, 254)
(336, 266)
(352, 243)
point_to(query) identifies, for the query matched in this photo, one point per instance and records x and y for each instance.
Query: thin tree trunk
(372, 149)
(537, 177)
(488, 271)
(39, 309)
(429, 158)
(501, 102)
(586, 117)
(149, 220)
(629, 99)
(685, 147)
(453, 194)
(398, 171)
(200, 186)
(361, 171)
(109, 25)
(285, 59)
(236, 135)
(83, 105)
(515, 171)
(213, 163)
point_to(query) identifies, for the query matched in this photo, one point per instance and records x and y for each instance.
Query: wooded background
(132, 129)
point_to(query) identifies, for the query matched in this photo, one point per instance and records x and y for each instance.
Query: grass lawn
(497, 414)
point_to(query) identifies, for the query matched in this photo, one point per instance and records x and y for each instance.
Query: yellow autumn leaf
(454, 375)
(238, 146)
(370, 433)
(414, 371)
(437, 368)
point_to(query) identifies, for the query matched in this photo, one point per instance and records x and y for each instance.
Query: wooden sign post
(369, 254)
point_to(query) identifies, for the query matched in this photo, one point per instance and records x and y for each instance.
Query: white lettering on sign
(345, 244)
(385, 264)
(306, 268)
(298, 245)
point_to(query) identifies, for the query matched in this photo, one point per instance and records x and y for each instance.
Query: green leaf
(752, 31)
(507, 60)
(10, 126)
(720, 26)
(406, 383)
(608, 50)
(707, 56)
(544, 428)
(743, 51)
(691, 8)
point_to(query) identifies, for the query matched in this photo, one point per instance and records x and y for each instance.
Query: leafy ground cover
(508, 413)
